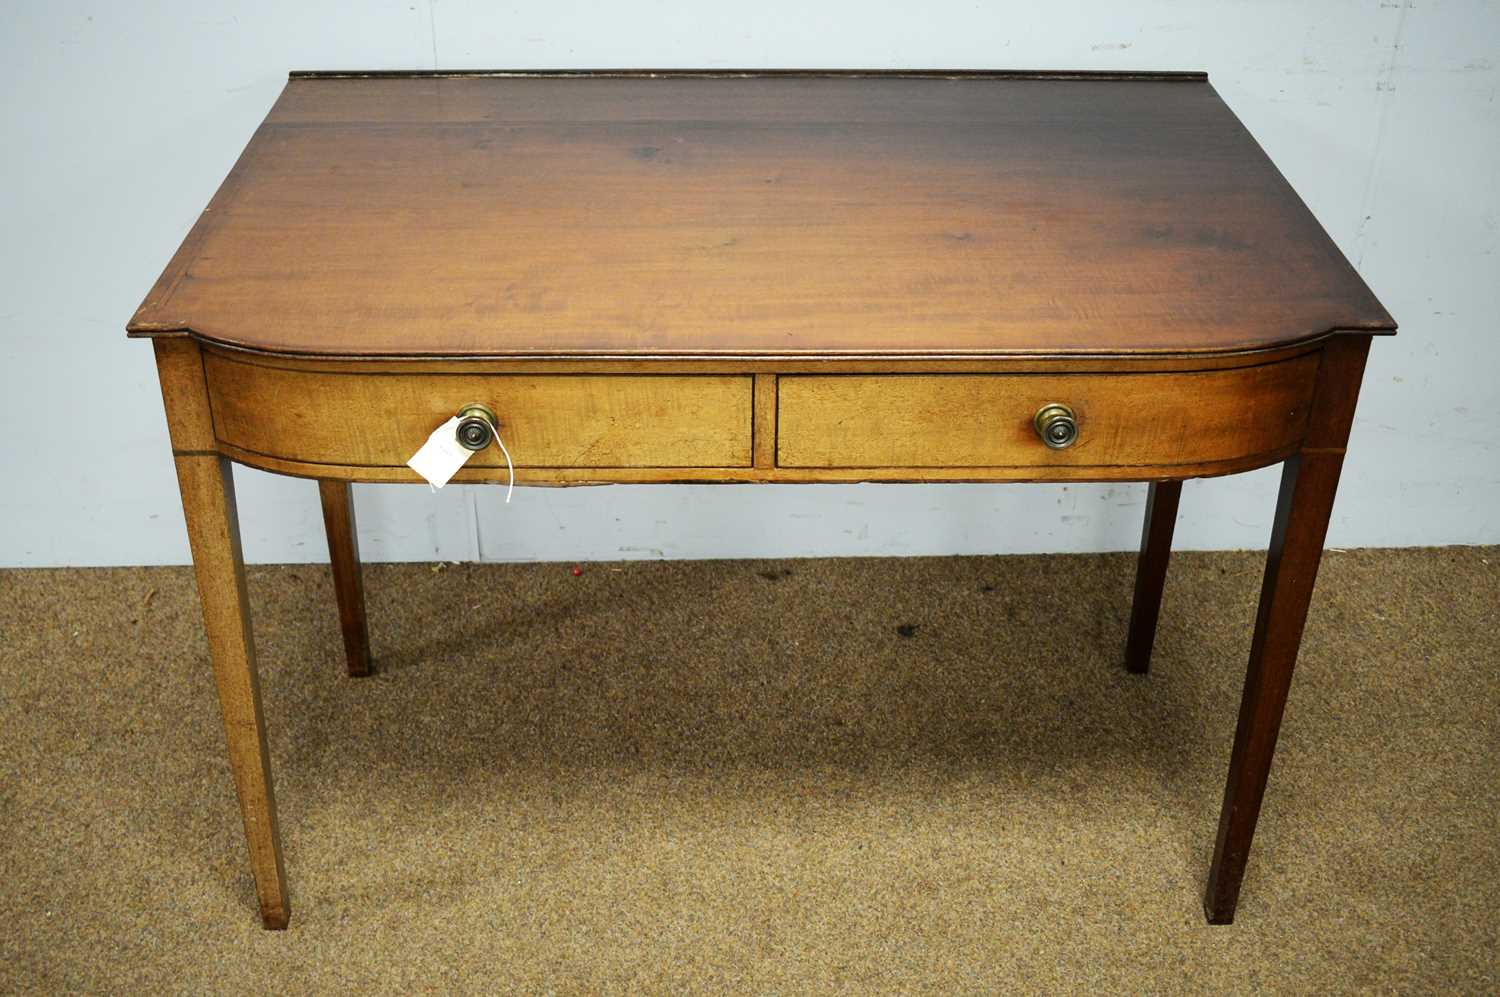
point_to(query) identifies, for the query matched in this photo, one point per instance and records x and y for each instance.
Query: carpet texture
(804, 776)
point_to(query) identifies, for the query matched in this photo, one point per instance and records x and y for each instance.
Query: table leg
(213, 532)
(1151, 573)
(1308, 482)
(348, 586)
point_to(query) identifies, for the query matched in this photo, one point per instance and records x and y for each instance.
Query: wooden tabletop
(754, 215)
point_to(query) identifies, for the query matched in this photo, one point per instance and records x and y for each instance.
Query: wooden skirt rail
(708, 422)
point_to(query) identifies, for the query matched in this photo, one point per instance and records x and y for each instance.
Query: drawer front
(546, 420)
(986, 420)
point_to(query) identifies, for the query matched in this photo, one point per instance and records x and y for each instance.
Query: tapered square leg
(1302, 510)
(1309, 480)
(348, 585)
(213, 532)
(1151, 573)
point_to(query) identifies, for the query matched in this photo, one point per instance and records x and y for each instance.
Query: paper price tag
(441, 456)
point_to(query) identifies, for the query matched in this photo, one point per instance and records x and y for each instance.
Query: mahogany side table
(760, 276)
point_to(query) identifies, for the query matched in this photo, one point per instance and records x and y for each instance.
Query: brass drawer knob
(1057, 425)
(476, 427)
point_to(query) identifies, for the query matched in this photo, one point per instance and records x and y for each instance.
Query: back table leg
(1151, 573)
(348, 586)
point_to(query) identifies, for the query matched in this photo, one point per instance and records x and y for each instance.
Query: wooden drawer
(366, 419)
(985, 420)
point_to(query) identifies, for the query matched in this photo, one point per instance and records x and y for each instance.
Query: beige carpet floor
(810, 776)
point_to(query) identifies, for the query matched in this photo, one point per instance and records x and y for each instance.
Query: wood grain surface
(744, 216)
(550, 420)
(985, 420)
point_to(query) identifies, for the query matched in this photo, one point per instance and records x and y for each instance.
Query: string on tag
(509, 467)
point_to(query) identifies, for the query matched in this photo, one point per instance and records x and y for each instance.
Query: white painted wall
(119, 120)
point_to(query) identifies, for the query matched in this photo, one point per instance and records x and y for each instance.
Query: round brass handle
(1057, 425)
(476, 427)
